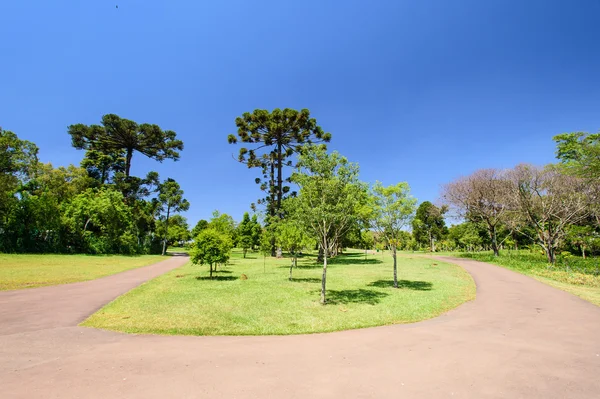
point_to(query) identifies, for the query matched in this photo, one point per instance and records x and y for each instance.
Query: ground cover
(253, 296)
(27, 271)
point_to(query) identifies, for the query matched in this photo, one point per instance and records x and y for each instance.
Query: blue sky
(417, 91)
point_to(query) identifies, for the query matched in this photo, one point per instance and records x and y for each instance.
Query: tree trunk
(395, 267)
(166, 231)
(210, 266)
(583, 251)
(550, 254)
(320, 256)
(279, 178)
(292, 265)
(272, 202)
(324, 277)
(245, 250)
(128, 161)
(494, 238)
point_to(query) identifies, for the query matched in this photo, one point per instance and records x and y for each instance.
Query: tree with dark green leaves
(244, 233)
(201, 225)
(211, 247)
(117, 138)
(270, 139)
(171, 200)
(429, 225)
(580, 153)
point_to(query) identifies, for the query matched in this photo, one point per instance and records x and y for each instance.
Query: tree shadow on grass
(306, 280)
(368, 297)
(350, 260)
(222, 271)
(216, 278)
(408, 284)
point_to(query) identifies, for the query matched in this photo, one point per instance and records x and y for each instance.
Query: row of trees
(552, 206)
(97, 208)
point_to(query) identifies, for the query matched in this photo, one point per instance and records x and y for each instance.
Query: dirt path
(518, 339)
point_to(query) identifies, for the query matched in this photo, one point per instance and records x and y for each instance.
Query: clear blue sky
(417, 91)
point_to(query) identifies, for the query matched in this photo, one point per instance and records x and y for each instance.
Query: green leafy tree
(244, 233)
(272, 138)
(178, 229)
(393, 208)
(256, 231)
(117, 137)
(99, 221)
(223, 223)
(211, 247)
(580, 153)
(291, 234)
(171, 200)
(330, 198)
(201, 225)
(429, 225)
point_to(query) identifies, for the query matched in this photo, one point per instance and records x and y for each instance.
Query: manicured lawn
(28, 271)
(578, 276)
(360, 294)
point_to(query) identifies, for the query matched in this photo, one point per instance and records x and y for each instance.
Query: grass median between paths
(29, 271)
(360, 294)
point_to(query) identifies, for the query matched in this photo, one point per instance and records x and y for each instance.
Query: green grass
(359, 294)
(28, 271)
(576, 275)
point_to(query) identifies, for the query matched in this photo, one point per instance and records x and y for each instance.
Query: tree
(118, 138)
(256, 231)
(211, 247)
(178, 230)
(291, 234)
(330, 198)
(580, 153)
(201, 225)
(584, 237)
(223, 223)
(480, 197)
(429, 225)
(393, 209)
(549, 201)
(275, 136)
(244, 233)
(98, 221)
(171, 200)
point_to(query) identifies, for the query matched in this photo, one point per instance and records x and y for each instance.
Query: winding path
(518, 339)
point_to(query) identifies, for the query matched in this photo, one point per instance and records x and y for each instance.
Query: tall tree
(274, 137)
(118, 138)
(429, 225)
(171, 199)
(393, 210)
(330, 198)
(580, 153)
(548, 201)
(481, 198)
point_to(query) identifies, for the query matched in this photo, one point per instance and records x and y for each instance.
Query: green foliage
(201, 225)
(331, 198)
(579, 152)
(223, 223)
(429, 225)
(275, 137)
(99, 222)
(106, 145)
(211, 247)
(171, 200)
(244, 233)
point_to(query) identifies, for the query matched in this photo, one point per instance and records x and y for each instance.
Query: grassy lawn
(578, 276)
(360, 294)
(28, 271)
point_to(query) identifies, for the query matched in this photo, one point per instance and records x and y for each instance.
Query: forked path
(518, 339)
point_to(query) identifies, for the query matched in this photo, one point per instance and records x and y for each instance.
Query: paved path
(518, 339)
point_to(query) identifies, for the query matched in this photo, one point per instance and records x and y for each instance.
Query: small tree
(171, 199)
(393, 208)
(244, 233)
(291, 235)
(330, 198)
(211, 248)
